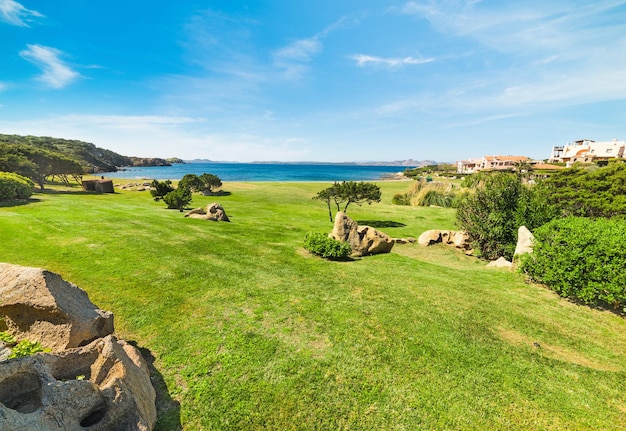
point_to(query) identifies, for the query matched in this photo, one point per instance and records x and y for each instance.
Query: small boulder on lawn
(213, 211)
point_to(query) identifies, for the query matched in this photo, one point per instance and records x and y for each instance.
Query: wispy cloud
(364, 60)
(535, 54)
(14, 13)
(294, 58)
(55, 72)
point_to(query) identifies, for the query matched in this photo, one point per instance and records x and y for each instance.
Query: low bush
(581, 259)
(324, 246)
(14, 186)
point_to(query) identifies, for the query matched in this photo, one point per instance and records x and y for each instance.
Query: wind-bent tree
(204, 183)
(348, 192)
(211, 182)
(158, 189)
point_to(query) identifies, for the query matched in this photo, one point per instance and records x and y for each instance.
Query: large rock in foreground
(39, 305)
(364, 240)
(104, 386)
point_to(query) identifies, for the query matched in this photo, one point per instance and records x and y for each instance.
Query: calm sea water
(261, 172)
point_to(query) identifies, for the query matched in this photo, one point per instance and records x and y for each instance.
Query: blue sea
(262, 172)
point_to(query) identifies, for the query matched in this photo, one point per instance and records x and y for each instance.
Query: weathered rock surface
(103, 386)
(500, 263)
(458, 239)
(214, 212)
(525, 241)
(364, 240)
(90, 380)
(40, 306)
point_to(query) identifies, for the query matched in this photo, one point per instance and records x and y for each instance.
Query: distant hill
(92, 158)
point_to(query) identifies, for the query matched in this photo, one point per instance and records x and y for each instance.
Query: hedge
(14, 186)
(582, 259)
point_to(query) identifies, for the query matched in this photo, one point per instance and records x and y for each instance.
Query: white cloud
(300, 50)
(16, 14)
(363, 60)
(56, 73)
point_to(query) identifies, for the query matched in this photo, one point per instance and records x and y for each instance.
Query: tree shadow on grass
(219, 193)
(19, 203)
(168, 409)
(380, 223)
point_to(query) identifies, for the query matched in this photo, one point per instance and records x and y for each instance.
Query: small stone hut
(100, 186)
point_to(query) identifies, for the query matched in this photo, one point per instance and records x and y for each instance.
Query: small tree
(192, 182)
(210, 182)
(500, 205)
(158, 189)
(347, 193)
(178, 199)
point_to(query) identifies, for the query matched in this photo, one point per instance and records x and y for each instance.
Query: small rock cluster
(89, 379)
(138, 187)
(458, 239)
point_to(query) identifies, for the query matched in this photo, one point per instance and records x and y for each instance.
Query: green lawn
(250, 332)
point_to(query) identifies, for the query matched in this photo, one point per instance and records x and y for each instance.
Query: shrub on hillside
(324, 246)
(492, 215)
(595, 192)
(581, 259)
(14, 186)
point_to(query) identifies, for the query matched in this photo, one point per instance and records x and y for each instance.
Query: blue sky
(339, 80)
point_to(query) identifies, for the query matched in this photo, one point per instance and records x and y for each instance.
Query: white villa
(584, 150)
(587, 150)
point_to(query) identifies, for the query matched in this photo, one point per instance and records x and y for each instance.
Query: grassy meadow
(247, 331)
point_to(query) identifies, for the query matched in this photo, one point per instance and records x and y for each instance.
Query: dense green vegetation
(85, 154)
(583, 259)
(499, 205)
(249, 331)
(14, 187)
(443, 169)
(589, 192)
(322, 245)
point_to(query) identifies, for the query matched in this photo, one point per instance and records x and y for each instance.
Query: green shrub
(581, 259)
(14, 186)
(178, 199)
(324, 246)
(401, 199)
(500, 205)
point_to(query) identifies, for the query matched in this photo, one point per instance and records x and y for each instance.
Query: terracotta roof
(507, 158)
